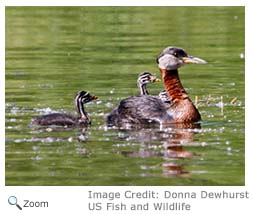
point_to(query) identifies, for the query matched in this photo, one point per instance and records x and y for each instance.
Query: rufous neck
(173, 85)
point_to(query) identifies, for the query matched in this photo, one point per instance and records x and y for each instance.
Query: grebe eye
(84, 100)
(175, 54)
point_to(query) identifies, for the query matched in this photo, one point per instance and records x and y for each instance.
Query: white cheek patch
(169, 62)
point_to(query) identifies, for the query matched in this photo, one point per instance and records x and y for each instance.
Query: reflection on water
(102, 50)
(173, 140)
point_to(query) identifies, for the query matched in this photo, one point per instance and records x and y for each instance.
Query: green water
(53, 52)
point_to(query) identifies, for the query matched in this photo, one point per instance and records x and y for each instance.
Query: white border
(73, 199)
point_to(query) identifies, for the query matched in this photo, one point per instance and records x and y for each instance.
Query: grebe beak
(94, 97)
(193, 60)
(154, 79)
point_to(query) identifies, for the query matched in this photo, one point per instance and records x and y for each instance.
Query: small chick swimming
(60, 119)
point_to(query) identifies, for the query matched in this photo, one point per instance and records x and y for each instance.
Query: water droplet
(37, 158)
(203, 144)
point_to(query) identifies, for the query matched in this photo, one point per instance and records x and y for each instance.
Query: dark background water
(53, 52)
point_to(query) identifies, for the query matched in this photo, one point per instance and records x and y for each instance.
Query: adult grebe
(145, 78)
(151, 109)
(66, 119)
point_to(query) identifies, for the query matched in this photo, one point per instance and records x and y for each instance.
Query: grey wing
(55, 119)
(143, 109)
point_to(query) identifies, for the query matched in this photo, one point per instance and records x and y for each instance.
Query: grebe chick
(164, 96)
(60, 119)
(145, 78)
(151, 109)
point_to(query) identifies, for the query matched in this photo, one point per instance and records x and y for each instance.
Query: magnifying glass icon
(12, 200)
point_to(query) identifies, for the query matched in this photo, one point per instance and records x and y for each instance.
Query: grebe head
(164, 96)
(146, 78)
(84, 97)
(172, 58)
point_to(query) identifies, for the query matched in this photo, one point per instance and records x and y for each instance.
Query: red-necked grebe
(145, 78)
(151, 109)
(60, 119)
